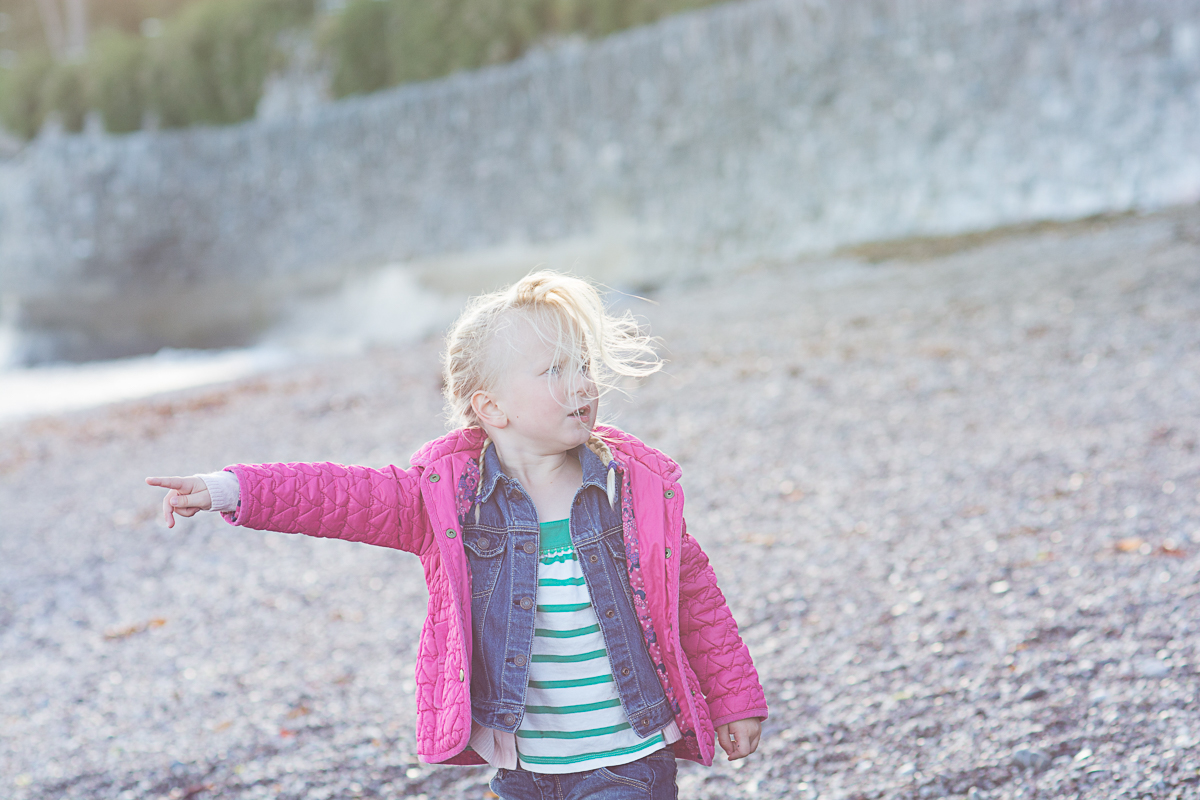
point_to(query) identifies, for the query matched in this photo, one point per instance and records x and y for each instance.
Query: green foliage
(209, 64)
(22, 104)
(118, 80)
(359, 47)
(378, 43)
(64, 93)
(24, 32)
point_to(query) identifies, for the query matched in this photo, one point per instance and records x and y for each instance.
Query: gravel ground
(951, 495)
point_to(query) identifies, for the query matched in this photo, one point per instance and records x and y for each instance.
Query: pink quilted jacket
(709, 672)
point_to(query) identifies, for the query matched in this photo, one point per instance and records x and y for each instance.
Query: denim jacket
(500, 534)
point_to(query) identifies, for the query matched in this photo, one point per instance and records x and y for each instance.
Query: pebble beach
(950, 488)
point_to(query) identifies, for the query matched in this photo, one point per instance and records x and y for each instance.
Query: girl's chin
(582, 427)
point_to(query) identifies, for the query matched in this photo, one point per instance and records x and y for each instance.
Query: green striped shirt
(573, 716)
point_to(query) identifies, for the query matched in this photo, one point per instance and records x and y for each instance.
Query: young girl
(576, 638)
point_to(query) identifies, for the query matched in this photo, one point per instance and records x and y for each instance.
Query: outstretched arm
(376, 506)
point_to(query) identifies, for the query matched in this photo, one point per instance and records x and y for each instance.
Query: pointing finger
(167, 483)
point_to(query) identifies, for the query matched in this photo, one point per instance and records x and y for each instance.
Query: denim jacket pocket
(485, 555)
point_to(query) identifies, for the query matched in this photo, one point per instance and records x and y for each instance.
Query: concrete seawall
(755, 130)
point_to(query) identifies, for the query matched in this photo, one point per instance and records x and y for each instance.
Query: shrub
(64, 93)
(358, 45)
(208, 66)
(210, 63)
(24, 107)
(378, 43)
(117, 80)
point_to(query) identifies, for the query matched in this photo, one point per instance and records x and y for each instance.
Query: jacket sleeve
(376, 506)
(711, 642)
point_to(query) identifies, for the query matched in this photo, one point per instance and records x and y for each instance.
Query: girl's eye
(559, 369)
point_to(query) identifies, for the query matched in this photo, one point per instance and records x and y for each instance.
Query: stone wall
(751, 131)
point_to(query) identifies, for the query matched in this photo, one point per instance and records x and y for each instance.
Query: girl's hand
(739, 738)
(187, 496)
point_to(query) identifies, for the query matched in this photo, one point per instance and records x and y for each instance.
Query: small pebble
(1151, 668)
(1035, 760)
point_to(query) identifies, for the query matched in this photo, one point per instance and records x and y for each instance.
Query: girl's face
(549, 399)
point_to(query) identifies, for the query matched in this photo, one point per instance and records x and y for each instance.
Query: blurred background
(102, 68)
(299, 175)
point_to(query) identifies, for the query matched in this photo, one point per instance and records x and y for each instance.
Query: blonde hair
(564, 310)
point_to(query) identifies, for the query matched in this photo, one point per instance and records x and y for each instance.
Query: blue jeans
(651, 777)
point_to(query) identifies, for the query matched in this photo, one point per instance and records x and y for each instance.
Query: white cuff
(223, 490)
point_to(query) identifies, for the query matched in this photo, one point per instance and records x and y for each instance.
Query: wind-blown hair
(565, 311)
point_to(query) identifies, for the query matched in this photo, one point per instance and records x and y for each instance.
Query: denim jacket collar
(595, 473)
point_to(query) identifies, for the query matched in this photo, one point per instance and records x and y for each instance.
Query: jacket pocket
(485, 555)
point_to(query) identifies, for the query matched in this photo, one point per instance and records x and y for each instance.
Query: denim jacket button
(625, 671)
(510, 719)
(519, 661)
(593, 558)
(610, 613)
(482, 542)
(529, 547)
(526, 603)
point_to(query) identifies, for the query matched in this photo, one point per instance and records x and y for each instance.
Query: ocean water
(56, 388)
(387, 307)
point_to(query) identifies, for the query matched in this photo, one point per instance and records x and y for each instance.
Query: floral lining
(637, 582)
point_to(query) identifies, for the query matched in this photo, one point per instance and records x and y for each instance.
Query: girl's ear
(489, 413)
